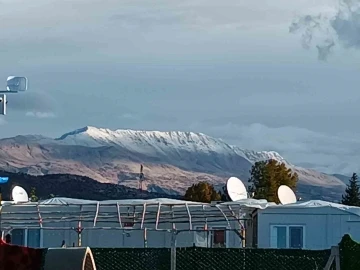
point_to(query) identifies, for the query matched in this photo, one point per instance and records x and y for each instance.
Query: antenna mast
(141, 179)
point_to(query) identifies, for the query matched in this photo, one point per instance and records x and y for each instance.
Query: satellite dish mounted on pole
(14, 85)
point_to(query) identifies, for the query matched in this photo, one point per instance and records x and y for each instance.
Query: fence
(195, 258)
(226, 258)
(209, 258)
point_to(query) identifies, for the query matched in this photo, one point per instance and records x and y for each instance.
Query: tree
(202, 192)
(352, 192)
(33, 196)
(224, 196)
(267, 176)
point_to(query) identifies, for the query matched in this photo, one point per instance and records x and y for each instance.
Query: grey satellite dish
(286, 195)
(236, 189)
(16, 84)
(19, 194)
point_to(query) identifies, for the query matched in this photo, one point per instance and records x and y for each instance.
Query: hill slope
(73, 186)
(172, 160)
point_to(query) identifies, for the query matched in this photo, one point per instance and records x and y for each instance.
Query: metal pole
(145, 238)
(173, 249)
(80, 229)
(173, 240)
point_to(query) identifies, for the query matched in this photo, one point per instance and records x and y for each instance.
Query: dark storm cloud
(342, 28)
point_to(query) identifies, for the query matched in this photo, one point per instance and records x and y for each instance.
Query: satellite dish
(15, 84)
(19, 194)
(286, 195)
(236, 189)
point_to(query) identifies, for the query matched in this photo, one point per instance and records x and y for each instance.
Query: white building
(159, 222)
(126, 223)
(307, 225)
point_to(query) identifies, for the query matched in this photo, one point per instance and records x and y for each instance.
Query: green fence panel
(209, 259)
(250, 259)
(132, 258)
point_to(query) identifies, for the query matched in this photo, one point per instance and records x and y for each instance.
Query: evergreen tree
(202, 192)
(267, 176)
(352, 192)
(33, 197)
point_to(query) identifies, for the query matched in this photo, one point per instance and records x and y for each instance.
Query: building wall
(55, 230)
(324, 226)
(135, 238)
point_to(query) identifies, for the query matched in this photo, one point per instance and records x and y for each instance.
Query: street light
(13, 85)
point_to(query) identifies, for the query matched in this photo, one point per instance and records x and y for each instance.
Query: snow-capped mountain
(147, 142)
(253, 156)
(172, 160)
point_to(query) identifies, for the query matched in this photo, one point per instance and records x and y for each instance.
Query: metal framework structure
(146, 215)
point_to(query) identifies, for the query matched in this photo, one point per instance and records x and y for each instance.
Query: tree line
(264, 181)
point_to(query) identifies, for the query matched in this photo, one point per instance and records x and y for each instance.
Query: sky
(264, 75)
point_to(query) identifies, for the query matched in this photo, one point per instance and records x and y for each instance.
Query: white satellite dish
(236, 189)
(16, 84)
(286, 195)
(19, 194)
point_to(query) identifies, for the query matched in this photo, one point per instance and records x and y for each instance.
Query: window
(26, 237)
(201, 237)
(287, 236)
(18, 237)
(128, 222)
(219, 237)
(33, 238)
(296, 238)
(214, 237)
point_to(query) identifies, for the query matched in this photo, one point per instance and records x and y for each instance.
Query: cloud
(195, 15)
(40, 114)
(37, 104)
(337, 153)
(32, 101)
(2, 120)
(326, 31)
(129, 116)
(125, 29)
(147, 120)
(346, 24)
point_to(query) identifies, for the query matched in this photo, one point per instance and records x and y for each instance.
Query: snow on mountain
(172, 145)
(253, 156)
(173, 160)
(147, 142)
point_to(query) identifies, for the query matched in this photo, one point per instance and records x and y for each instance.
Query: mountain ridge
(172, 160)
(64, 185)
